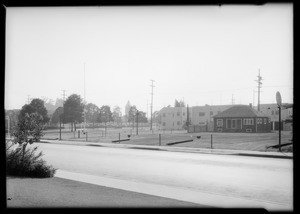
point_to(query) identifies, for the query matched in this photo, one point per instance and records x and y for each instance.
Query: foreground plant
(23, 161)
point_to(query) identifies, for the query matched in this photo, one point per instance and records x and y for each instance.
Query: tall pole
(84, 113)
(187, 118)
(253, 99)
(279, 149)
(137, 122)
(259, 79)
(151, 104)
(64, 95)
(59, 126)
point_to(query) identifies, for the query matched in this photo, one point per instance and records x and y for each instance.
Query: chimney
(250, 104)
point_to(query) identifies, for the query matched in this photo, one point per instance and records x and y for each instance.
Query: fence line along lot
(241, 141)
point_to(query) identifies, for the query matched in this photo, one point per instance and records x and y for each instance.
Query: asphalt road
(208, 179)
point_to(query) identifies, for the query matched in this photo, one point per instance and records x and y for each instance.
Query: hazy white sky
(202, 54)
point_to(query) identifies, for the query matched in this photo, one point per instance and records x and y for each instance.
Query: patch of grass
(27, 164)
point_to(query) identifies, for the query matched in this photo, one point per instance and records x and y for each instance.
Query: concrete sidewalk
(177, 149)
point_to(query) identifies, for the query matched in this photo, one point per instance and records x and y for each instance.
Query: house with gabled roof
(242, 118)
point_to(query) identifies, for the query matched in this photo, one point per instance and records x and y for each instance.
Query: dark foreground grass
(27, 163)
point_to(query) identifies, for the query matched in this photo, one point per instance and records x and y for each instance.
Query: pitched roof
(240, 111)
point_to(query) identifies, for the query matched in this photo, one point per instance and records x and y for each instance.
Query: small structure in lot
(241, 118)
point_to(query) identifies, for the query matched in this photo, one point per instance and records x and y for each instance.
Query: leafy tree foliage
(56, 115)
(142, 117)
(105, 114)
(35, 106)
(24, 161)
(73, 109)
(131, 113)
(28, 130)
(179, 103)
(117, 114)
(92, 113)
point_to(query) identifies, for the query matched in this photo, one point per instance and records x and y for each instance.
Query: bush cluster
(27, 163)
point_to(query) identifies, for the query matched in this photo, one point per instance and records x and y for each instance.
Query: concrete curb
(177, 149)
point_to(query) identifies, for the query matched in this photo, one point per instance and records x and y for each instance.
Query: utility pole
(84, 107)
(259, 79)
(137, 122)
(151, 104)
(187, 118)
(64, 95)
(253, 99)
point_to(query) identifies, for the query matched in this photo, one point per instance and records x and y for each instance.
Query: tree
(105, 114)
(92, 113)
(28, 130)
(56, 115)
(179, 103)
(117, 114)
(142, 117)
(36, 106)
(176, 104)
(131, 113)
(73, 110)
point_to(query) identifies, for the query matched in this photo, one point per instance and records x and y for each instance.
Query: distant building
(127, 108)
(202, 117)
(242, 118)
(174, 118)
(273, 112)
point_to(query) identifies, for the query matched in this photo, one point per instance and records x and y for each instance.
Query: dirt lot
(240, 141)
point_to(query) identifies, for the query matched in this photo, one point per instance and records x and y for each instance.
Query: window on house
(234, 123)
(248, 121)
(272, 112)
(178, 113)
(164, 115)
(228, 123)
(218, 112)
(219, 122)
(265, 120)
(173, 114)
(259, 120)
(183, 114)
(276, 112)
(211, 112)
(178, 123)
(201, 114)
(164, 124)
(239, 123)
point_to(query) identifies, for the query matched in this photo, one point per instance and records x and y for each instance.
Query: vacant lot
(241, 141)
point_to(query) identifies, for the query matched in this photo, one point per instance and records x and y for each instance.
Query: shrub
(27, 163)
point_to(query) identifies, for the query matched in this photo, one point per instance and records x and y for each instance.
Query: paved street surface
(209, 179)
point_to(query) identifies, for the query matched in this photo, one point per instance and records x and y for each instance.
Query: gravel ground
(63, 193)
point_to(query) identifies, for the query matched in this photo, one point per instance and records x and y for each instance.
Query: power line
(64, 95)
